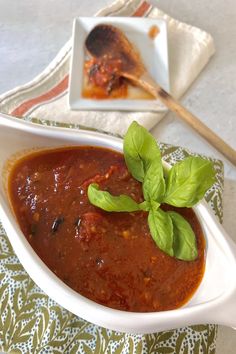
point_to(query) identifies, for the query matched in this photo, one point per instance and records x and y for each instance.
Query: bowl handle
(224, 309)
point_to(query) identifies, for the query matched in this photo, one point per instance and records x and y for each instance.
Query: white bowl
(213, 302)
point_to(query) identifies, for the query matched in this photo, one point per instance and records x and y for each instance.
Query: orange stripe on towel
(55, 91)
(142, 9)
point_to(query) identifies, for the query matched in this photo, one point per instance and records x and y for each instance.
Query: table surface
(33, 32)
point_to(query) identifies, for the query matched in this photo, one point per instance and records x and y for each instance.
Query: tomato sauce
(153, 32)
(103, 79)
(110, 258)
(97, 92)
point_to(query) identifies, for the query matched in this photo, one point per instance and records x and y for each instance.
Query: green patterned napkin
(31, 322)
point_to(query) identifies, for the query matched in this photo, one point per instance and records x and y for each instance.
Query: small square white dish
(154, 53)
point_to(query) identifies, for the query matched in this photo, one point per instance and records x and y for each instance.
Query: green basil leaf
(185, 246)
(140, 148)
(188, 181)
(161, 228)
(108, 202)
(154, 183)
(154, 205)
(146, 205)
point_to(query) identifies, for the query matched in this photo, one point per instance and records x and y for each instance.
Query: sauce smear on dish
(107, 257)
(153, 32)
(102, 81)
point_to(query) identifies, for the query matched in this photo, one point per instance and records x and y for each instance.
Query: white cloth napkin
(189, 51)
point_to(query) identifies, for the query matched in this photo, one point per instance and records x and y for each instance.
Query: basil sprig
(185, 185)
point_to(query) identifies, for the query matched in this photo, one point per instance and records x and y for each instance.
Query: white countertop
(31, 34)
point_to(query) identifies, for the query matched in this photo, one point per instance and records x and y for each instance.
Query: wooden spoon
(107, 41)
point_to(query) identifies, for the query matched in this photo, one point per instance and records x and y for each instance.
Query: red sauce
(153, 32)
(96, 92)
(104, 80)
(107, 257)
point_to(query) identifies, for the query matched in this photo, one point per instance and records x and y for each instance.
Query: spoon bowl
(109, 42)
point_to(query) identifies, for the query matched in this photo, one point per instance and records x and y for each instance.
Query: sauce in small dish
(102, 81)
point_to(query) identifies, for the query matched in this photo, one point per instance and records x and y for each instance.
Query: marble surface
(31, 33)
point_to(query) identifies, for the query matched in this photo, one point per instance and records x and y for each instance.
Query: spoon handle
(148, 84)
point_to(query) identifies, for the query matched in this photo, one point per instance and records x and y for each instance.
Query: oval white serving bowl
(214, 300)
